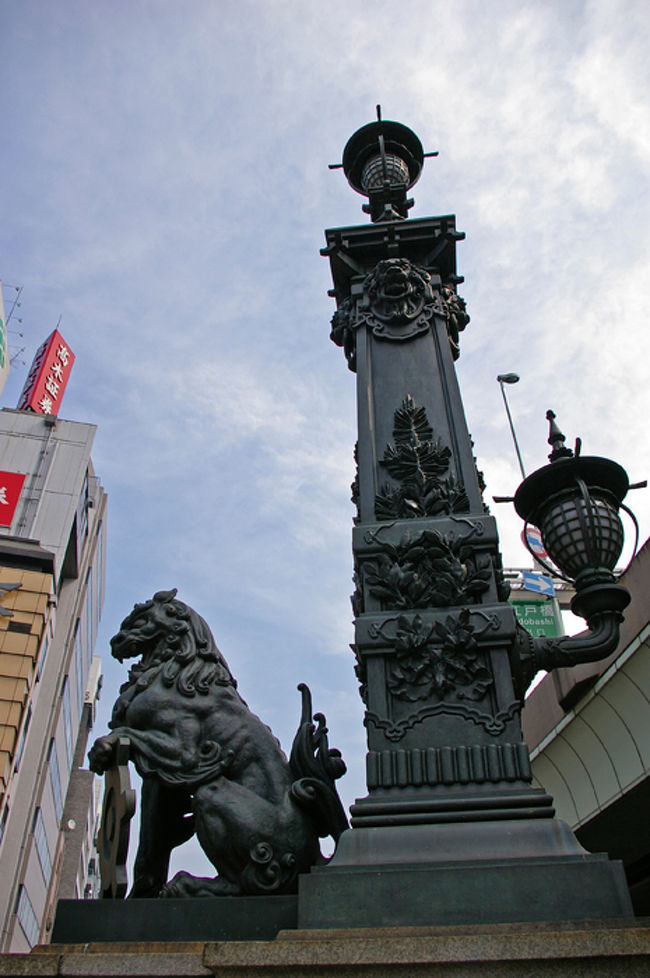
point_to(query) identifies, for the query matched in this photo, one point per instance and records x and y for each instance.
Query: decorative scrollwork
(418, 462)
(400, 299)
(493, 724)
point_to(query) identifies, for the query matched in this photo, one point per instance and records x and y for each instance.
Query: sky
(164, 195)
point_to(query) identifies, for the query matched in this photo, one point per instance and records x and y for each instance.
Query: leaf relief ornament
(437, 660)
(418, 462)
(429, 571)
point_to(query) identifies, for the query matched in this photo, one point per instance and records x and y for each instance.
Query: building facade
(588, 733)
(52, 562)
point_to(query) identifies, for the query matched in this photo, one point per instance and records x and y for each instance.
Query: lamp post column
(433, 629)
(436, 642)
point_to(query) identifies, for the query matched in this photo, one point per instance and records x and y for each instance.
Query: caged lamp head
(575, 503)
(382, 161)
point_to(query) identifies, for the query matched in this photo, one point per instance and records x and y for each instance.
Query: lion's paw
(174, 888)
(185, 885)
(101, 754)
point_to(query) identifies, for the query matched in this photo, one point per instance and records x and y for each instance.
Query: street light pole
(452, 830)
(511, 379)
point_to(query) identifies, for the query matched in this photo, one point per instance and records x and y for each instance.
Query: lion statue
(211, 767)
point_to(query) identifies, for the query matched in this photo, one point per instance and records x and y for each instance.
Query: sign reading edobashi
(48, 376)
(11, 484)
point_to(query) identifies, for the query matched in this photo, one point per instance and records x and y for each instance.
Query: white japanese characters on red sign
(48, 376)
(11, 484)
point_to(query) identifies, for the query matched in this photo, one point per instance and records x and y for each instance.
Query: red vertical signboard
(11, 484)
(48, 376)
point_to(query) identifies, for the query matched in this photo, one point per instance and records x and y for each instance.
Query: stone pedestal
(462, 873)
(198, 919)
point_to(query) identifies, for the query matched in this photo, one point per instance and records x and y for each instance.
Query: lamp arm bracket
(599, 641)
(530, 655)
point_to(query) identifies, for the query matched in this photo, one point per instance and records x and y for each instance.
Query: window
(3, 821)
(82, 513)
(79, 666)
(55, 779)
(19, 626)
(41, 661)
(99, 561)
(23, 738)
(26, 916)
(90, 632)
(42, 848)
(67, 720)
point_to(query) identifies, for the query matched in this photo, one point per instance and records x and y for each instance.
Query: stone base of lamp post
(460, 873)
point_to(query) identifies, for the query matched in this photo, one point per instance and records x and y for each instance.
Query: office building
(52, 559)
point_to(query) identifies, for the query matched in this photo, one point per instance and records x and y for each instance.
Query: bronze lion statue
(211, 767)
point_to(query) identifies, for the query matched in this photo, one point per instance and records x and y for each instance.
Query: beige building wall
(21, 642)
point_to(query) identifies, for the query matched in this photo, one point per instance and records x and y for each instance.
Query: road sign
(534, 538)
(533, 581)
(539, 618)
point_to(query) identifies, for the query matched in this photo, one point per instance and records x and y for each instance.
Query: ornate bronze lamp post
(451, 830)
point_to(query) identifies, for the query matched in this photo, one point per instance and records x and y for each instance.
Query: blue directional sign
(533, 581)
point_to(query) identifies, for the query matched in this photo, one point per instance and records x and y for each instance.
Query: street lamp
(575, 503)
(511, 379)
(451, 823)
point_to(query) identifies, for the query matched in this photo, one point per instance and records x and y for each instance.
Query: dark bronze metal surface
(210, 766)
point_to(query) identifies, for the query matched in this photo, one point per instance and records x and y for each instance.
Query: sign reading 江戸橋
(539, 617)
(48, 376)
(11, 484)
(4, 345)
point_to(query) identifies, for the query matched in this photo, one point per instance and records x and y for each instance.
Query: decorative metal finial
(382, 161)
(556, 440)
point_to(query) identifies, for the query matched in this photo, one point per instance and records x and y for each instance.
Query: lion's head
(398, 289)
(168, 634)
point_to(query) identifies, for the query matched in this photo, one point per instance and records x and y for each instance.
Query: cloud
(168, 193)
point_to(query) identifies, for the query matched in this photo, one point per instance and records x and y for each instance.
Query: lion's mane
(186, 654)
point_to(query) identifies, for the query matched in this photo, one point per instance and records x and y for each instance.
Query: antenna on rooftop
(15, 304)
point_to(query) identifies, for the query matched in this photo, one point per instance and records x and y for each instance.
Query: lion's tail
(316, 767)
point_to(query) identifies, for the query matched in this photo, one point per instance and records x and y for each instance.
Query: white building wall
(55, 455)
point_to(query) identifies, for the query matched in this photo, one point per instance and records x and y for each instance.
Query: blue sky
(165, 191)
